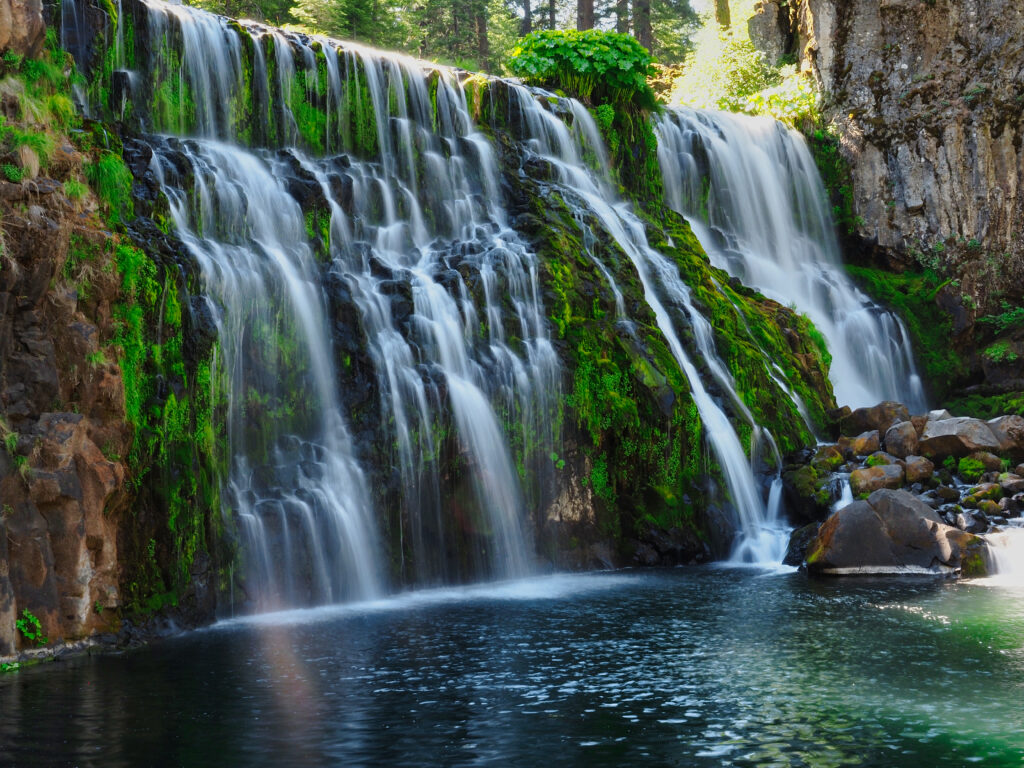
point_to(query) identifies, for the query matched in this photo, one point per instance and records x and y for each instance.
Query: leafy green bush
(593, 65)
(12, 172)
(1010, 317)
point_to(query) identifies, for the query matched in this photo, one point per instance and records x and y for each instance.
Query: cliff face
(928, 98)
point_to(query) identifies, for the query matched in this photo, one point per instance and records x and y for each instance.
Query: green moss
(970, 469)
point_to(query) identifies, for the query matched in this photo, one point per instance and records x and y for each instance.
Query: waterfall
(751, 191)
(399, 249)
(762, 535)
(1006, 554)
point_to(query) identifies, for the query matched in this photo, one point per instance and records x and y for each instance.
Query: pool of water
(689, 667)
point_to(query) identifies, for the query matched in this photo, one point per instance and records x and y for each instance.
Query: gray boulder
(957, 437)
(901, 439)
(1009, 431)
(894, 533)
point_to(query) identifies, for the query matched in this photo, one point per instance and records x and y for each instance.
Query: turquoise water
(688, 667)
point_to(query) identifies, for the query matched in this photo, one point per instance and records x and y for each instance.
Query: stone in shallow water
(863, 444)
(892, 532)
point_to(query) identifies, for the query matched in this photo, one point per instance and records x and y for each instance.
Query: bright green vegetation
(835, 174)
(970, 469)
(912, 296)
(30, 628)
(112, 181)
(1010, 318)
(987, 406)
(592, 65)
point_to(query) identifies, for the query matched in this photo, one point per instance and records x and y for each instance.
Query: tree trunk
(482, 47)
(584, 14)
(722, 15)
(622, 17)
(526, 27)
(642, 22)
(551, 14)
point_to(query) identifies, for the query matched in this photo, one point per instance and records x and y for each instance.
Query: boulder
(989, 508)
(892, 533)
(919, 423)
(878, 417)
(1011, 484)
(918, 470)
(799, 540)
(1019, 470)
(956, 437)
(972, 521)
(871, 479)
(1009, 431)
(21, 26)
(808, 493)
(863, 444)
(946, 492)
(940, 415)
(901, 439)
(981, 492)
(879, 458)
(827, 458)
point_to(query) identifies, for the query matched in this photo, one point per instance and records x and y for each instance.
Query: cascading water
(751, 192)
(1006, 554)
(415, 240)
(762, 536)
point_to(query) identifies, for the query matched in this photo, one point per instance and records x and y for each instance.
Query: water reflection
(685, 667)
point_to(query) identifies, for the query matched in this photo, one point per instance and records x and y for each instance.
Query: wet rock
(919, 423)
(918, 470)
(989, 508)
(808, 493)
(972, 521)
(956, 437)
(901, 439)
(799, 540)
(1011, 484)
(891, 533)
(871, 479)
(878, 417)
(948, 493)
(982, 492)
(863, 444)
(1009, 506)
(827, 458)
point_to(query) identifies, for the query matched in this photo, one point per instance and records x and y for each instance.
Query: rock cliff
(928, 100)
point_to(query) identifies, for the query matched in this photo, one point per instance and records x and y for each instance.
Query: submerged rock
(892, 533)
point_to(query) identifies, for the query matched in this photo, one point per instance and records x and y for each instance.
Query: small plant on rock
(30, 628)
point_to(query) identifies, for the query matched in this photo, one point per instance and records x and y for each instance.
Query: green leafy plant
(593, 65)
(75, 190)
(30, 628)
(1010, 317)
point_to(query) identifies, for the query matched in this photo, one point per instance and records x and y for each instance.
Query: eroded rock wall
(62, 478)
(928, 96)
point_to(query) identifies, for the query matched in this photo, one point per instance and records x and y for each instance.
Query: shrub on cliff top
(592, 65)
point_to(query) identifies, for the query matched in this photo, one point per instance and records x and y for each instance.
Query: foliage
(987, 406)
(593, 65)
(823, 142)
(112, 180)
(970, 469)
(1011, 317)
(30, 628)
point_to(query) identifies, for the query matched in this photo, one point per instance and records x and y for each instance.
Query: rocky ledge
(903, 494)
